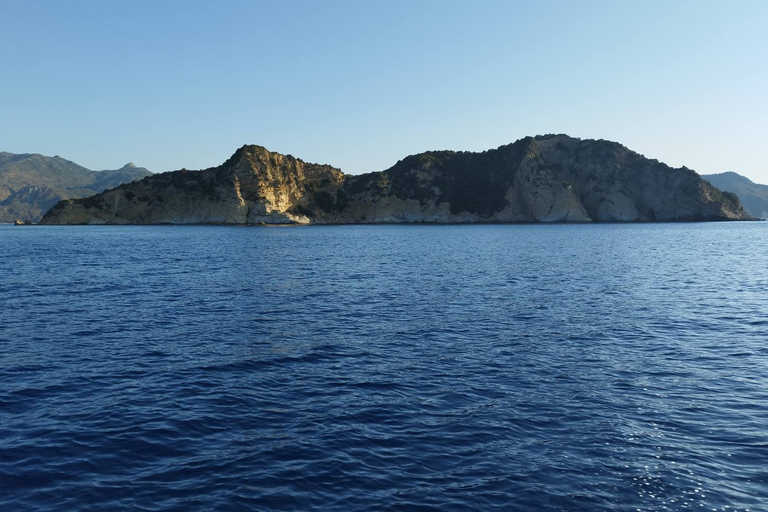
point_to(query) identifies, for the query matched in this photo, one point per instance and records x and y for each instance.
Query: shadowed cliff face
(541, 179)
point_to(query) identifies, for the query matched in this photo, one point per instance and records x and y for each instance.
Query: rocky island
(550, 178)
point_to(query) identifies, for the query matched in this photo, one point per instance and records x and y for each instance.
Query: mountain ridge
(30, 183)
(753, 196)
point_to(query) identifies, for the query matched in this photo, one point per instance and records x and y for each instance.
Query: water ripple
(542, 368)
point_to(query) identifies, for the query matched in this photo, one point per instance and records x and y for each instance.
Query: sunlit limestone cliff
(552, 178)
(254, 186)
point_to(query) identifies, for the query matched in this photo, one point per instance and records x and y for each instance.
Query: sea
(610, 367)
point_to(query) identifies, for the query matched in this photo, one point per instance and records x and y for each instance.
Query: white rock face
(617, 206)
(545, 198)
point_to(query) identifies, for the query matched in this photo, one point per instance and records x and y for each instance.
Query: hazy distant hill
(30, 184)
(754, 197)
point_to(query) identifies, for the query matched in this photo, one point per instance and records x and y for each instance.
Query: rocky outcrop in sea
(551, 178)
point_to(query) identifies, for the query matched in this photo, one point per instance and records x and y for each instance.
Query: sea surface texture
(351, 368)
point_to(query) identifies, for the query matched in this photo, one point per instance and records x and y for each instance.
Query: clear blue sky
(360, 84)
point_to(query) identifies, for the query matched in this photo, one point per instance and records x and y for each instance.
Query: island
(548, 178)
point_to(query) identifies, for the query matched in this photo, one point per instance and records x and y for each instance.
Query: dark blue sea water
(532, 368)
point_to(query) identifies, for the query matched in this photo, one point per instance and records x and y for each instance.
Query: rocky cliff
(254, 186)
(30, 184)
(552, 178)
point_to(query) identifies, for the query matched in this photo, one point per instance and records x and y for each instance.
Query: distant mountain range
(548, 178)
(753, 196)
(30, 184)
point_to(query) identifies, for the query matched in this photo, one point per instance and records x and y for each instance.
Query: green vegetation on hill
(30, 184)
(470, 182)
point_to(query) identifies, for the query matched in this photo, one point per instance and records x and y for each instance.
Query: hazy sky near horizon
(361, 84)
